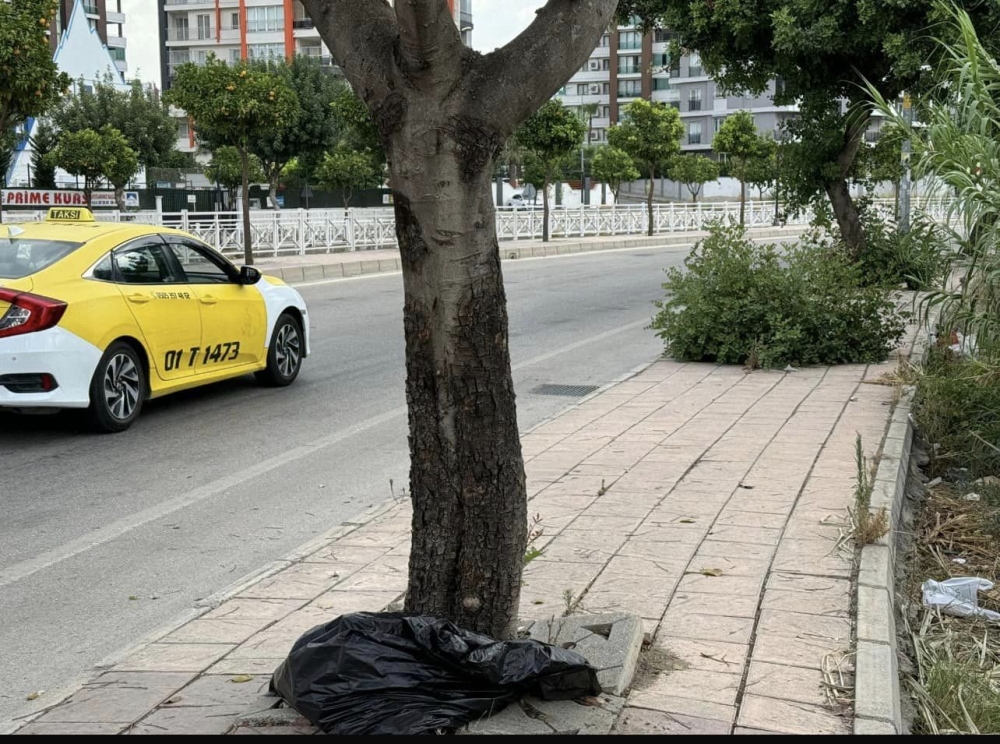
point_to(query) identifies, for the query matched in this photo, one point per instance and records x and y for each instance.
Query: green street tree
(8, 141)
(550, 135)
(306, 134)
(353, 125)
(694, 171)
(226, 170)
(346, 170)
(121, 162)
(138, 112)
(739, 140)
(651, 134)
(762, 169)
(240, 105)
(29, 80)
(614, 167)
(443, 112)
(96, 156)
(44, 139)
(823, 52)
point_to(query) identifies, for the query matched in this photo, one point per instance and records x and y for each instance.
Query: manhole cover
(569, 391)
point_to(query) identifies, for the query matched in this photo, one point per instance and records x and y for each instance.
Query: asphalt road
(105, 539)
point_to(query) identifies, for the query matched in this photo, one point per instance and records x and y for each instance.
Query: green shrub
(958, 409)
(738, 302)
(914, 260)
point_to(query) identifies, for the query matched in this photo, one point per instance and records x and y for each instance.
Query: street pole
(904, 183)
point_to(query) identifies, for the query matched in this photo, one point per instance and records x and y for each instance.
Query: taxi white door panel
(167, 310)
(233, 316)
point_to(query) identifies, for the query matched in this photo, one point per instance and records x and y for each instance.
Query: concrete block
(883, 495)
(876, 684)
(388, 264)
(291, 274)
(869, 727)
(333, 271)
(875, 616)
(352, 268)
(611, 643)
(313, 273)
(369, 267)
(876, 569)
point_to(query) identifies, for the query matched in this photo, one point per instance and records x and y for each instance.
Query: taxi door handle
(139, 299)
(208, 300)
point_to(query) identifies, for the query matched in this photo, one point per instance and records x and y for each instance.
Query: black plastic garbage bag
(389, 673)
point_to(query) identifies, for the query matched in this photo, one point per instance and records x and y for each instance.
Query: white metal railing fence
(298, 231)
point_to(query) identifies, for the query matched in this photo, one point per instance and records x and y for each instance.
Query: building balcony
(122, 65)
(303, 23)
(115, 17)
(629, 70)
(117, 42)
(188, 2)
(90, 8)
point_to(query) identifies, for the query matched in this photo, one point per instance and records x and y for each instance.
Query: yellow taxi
(104, 315)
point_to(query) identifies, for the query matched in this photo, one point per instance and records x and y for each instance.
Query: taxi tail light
(28, 313)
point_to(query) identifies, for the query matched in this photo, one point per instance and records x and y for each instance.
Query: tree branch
(362, 36)
(512, 82)
(427, 33)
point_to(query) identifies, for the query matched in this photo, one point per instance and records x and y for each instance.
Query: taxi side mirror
(249, 275)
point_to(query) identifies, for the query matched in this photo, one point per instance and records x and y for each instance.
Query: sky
(496, 22)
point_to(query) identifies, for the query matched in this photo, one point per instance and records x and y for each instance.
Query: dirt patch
(652, 663)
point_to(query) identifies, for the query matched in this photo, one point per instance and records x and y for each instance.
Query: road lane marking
(113, 531)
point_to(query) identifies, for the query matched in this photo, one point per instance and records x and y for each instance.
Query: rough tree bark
(247, 237)
(443, 113)
(844, 208)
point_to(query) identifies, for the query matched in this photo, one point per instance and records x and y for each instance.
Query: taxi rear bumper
(67, 358)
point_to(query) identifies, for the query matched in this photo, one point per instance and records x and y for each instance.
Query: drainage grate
(569, 391)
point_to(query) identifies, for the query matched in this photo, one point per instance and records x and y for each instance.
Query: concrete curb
(509, 250)
(878, 706)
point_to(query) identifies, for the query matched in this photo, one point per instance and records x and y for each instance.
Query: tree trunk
(694, 195)
(743, 202)
(545, 211)
(120, 198)
(247, 238)
(272, 194)
(649, 201)
(466, 471)
(848, 218)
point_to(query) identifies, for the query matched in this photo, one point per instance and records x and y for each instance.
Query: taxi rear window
(21, 257)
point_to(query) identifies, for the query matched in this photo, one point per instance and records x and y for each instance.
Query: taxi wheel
(117, 390)
(284, 356)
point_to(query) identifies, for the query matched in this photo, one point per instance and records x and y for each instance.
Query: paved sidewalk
(708, 501)
(311, 267)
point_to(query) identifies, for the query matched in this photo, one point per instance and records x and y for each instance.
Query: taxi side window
(144, 263)
(199, 264)
(105, 270)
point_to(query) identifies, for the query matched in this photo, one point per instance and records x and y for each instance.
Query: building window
(234, 56)
(718, 123)
(266, 18)
(694, 99)
(661, 83)
(694, 133)
(661, 35)
(597, 135)
(204, 26)
(183, 129)
(234, 21)
(629, 40)
(605, 112)
(629, 88)
(606, 64)
(630, 65)
(265, 51)
(694, 65)
(606, 40)
(581, 89)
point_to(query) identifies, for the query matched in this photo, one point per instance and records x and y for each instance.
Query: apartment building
(628, 64)
(233, 30)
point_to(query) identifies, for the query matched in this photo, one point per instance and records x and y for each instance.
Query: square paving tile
(174, 657)
(639, 721)
(796, 684)
(117, 697)
(698, 603)
(710, 656)
(679, 623)
(790, 717)
(301, 581)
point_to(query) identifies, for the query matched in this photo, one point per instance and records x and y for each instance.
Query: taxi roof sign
(69, 214)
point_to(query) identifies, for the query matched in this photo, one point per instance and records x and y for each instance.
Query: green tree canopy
(651, 134)
(739, 140)
(549, 135)
(138, 112)
(614, 167)
(94, 156)
(353, 125)
(29, 80)
(345, 170)
(44, 140)
(308, 130)
(694, 171)
(240, 105)
(822, 52)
